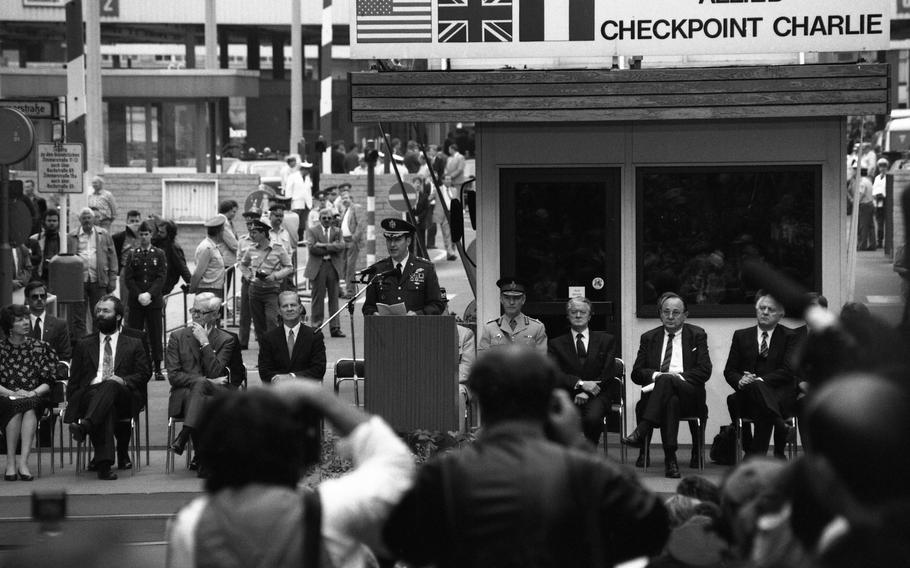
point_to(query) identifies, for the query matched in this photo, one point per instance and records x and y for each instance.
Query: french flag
(556, 20)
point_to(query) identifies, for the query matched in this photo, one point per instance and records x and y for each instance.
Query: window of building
(698, 224)
(189, 200)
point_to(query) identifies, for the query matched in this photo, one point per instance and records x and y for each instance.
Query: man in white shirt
(672, 366)
(353, 233)
(879, 191)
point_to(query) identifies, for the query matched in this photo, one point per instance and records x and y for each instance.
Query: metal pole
(325, 85)
(296, 80)
(94, 125)
(371, 201)
(6, 253)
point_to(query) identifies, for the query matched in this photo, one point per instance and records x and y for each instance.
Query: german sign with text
(60, 168)
(564, 28)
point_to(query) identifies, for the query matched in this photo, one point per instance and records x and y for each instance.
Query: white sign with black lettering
(560, 28)
(60, 168)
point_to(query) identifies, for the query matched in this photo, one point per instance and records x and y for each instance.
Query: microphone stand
(349, 306)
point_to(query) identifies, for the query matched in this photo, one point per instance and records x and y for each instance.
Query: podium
(410, 367)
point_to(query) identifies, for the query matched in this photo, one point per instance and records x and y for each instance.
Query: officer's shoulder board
(423, 260)
(529, 319)
(494, 320)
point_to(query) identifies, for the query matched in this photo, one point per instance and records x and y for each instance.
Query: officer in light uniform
(513, 326)
(403, 277)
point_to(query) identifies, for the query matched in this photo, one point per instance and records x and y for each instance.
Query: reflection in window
(699, 224)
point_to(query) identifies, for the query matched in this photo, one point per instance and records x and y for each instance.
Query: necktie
(763, 352)
(291, 340)
(580, 347)
(107, 366)
(398, 270)
(37, 331)
(513, 324)
(668, 354)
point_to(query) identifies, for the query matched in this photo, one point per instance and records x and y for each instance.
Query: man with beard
(110, 371)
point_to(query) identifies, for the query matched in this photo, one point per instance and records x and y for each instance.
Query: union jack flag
(475, 21)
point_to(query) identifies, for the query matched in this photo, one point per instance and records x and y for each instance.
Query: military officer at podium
(402, 278)
(513, 326)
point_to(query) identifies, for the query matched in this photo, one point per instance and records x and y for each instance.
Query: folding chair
(349, 370)
(619, 409)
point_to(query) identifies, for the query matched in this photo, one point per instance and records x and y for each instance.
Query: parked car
(269, 171)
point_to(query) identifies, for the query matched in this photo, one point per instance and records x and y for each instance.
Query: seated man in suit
(109, 370)
(759, 369)
(673, 366)
(291, 350)
(197, 361)
(585, 360)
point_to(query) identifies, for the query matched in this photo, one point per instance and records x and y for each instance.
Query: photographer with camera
(269, 265)
(257, 445)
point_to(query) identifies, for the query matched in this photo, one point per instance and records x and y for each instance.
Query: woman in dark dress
(27, 370)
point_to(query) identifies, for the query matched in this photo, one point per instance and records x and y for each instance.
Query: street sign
(396, 200)
(60, 168)
(17, 136)
(32, 108)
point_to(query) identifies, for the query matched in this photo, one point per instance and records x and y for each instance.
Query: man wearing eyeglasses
(403, 277)
(198, 359)
(323, 267)
(45, 326)
(672, 366)
(513, 326)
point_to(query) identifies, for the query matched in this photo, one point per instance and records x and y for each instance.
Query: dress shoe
(78, 432)
(26, 477)
(10, 476)
(640, 462)
(179, 443)
(124, 464)
(338, 333)
(636, 439)
(671, 469)
(194, 464)
(106, 475)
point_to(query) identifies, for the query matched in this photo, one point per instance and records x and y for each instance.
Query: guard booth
(622, 184)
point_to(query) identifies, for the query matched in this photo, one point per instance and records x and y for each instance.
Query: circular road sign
(17, 136)
(396, 200)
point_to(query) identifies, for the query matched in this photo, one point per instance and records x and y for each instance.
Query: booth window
(189, 200)
(696, 225)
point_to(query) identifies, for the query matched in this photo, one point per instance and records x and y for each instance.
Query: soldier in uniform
(513, 326)
(403, 277)
(144, 274)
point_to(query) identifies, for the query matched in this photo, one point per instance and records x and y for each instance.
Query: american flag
(394, 21)
(475, 21)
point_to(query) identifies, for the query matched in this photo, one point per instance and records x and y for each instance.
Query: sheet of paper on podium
(398, 309)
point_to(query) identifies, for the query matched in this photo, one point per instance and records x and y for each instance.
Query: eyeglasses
(326, 218)
(37, 296)
(196, 312)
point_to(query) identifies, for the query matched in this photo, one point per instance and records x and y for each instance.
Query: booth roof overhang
(717, 93)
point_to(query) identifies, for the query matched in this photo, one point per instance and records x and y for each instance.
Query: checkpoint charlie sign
(560, 28)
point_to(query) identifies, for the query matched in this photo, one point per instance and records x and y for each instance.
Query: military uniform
(145, 271)
(418, 287)
(528, 331)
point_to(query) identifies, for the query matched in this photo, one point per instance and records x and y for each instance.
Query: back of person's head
(852, 312)
(680, 509)
(252, 437)
(513, 383)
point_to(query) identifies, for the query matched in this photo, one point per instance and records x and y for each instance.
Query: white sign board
(561, 28)
(60, 168)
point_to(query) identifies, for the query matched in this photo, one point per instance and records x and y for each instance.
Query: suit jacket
(776, 370)
(357, 222)
(696, 360)
(418, 287)
(186, 363)
(56, 333)
(598, 365)
(308, 359)
(119, 239)
(319, 245)
(105, 255)
(131, 363)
